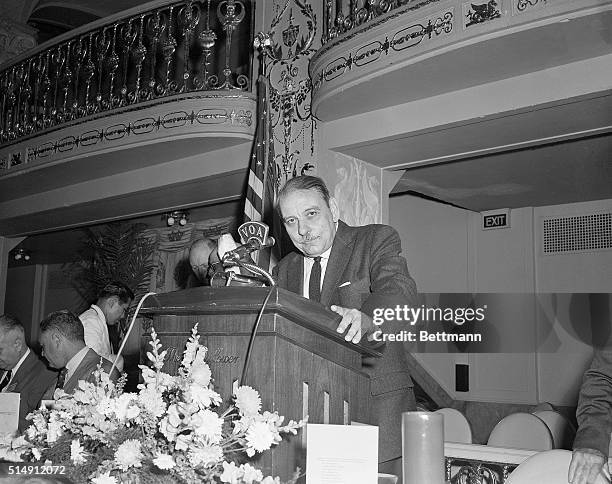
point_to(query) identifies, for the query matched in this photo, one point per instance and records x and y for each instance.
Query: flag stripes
(261, 191)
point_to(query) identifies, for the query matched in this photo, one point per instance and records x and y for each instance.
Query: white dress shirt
(308, 263)
(96, 331)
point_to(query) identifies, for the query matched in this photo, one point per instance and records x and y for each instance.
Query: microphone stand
(269, 280)
(255, 269)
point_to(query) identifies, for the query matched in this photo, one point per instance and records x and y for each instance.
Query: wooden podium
(299, 363)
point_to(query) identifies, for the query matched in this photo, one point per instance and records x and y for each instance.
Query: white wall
(435, 244)
(538, 300)
(575, 293)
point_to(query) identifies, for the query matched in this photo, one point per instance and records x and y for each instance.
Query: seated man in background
(63, 343)
(202, 256)
(24, 372)
(594, 416)
(205, 260)
(113, 300)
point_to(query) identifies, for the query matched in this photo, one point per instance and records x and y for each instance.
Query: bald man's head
(12, 342)
(202, 253)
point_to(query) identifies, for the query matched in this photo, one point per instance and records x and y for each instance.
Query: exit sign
(496, 219)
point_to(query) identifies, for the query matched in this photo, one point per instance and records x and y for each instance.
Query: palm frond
(117, 251)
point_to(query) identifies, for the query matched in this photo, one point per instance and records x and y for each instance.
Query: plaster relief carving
(357, 193)
(14, 40)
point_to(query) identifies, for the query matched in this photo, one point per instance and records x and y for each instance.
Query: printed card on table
(341, 454)
(9, 412)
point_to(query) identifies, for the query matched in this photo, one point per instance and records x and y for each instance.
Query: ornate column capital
(15, 38)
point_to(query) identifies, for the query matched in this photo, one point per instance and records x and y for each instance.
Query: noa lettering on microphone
(253, 230)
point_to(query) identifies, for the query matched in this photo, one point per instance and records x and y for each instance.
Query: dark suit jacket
(30, 381)
(594, 411)
(85, 371)
(368, 257)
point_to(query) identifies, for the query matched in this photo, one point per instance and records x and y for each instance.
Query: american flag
(261, 190)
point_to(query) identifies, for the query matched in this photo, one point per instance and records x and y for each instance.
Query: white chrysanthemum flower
(207, 424)
(132, 412)
(36, 453)
(259, 437)
(77, 453)
(200, 373)
(251, 474)
(203, 397)
(247, 400)
(152, 402)
(164, 461)
(105, 478)
(128, 454)
(207, 456)
(231, 473)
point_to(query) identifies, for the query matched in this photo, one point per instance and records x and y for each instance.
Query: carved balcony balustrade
(377, 54)
(193, 53)
(340, 16)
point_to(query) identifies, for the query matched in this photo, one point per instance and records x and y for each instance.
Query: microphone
(251, 246)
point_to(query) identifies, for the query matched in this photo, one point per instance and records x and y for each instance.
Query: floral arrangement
(166, 432)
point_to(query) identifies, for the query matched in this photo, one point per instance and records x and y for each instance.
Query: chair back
(560, 427)
(521, 431)
(456, 426)
(549, 467)
(542, 406)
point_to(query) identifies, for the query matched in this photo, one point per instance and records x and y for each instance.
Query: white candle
(423, 447)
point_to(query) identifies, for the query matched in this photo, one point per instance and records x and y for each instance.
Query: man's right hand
(586, 466)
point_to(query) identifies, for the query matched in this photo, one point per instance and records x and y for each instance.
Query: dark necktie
(5, 379)
(61, 378)
(314, 284)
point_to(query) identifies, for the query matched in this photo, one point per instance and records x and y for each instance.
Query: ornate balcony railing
(340, 16)
(154, 51)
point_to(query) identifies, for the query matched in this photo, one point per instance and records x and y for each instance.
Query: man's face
(10, 349)
(115, 310)
(50, 342)
(309, 221)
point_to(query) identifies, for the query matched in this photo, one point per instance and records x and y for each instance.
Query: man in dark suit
(594, 416)
(24, 373)
(63, 343)
(353, 270)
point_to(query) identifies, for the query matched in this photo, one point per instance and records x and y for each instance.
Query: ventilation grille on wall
(578, 233)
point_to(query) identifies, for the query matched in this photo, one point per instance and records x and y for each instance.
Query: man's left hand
(358, 324)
